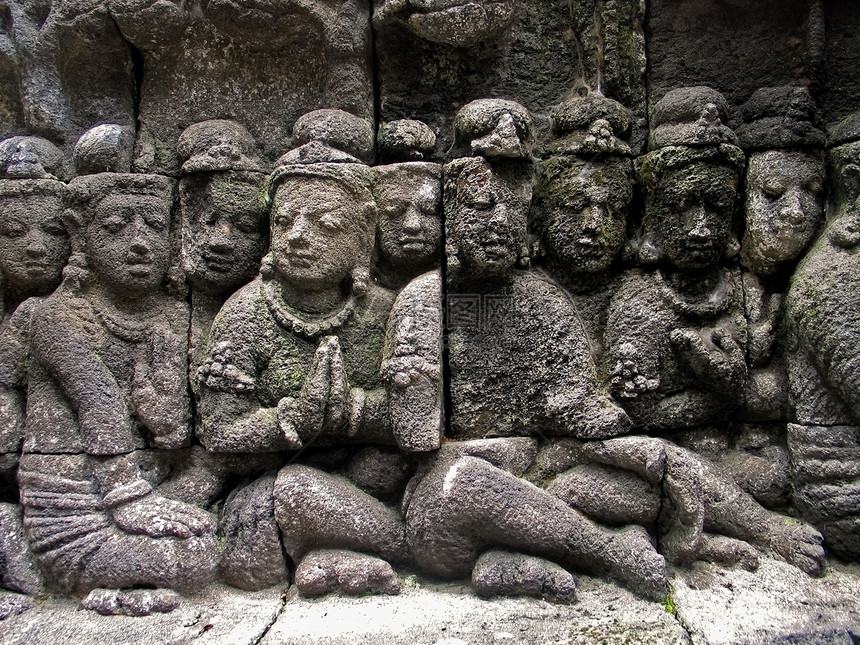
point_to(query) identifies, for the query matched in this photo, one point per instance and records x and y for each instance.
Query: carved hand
(159, 391)
(627, 379)
(159, 517)
(713, 354)
(301, 418)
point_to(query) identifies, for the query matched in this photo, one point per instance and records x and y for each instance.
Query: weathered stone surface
(252, 557)
(501, 573)
(324, 571)
(198, 63)
(535, 53)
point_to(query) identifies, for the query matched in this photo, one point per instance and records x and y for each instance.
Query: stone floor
(707, 605)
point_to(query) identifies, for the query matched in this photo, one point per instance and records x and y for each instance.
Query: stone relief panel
(325, 293)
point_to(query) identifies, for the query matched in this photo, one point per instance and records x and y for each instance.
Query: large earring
(267, 266)
(360, 279)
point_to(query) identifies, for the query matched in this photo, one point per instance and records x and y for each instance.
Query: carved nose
(699, 228)
(792, 210)
(220, 239)
(593, 218)
(36, 246)
(412, 220)
(139, 246)
(298, 231)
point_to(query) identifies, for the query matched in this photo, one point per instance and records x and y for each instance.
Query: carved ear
(850, 175)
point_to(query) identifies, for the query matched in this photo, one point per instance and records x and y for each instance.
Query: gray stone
(324, 571)
(18, 570)
(500, 573)
(139, 602)
(252, 557)
(404, 140)
(607, 496)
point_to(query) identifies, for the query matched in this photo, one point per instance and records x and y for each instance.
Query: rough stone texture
(735, 50)
(52, 53)
(197, 62)
(321, 572)
(774, 604)
(500, 573)
(571, 310)
(533, 52)
(220, 615)
(252, 557)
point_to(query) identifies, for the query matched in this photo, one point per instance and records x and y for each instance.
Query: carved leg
(728, 510)
(316, 510)
(462, 507)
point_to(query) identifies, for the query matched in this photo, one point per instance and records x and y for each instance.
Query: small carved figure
(519, 365)
(224, 226)
(108, 377)
(583, 198)
(34, 248)
(676, 337)
(824, 440)
(409, 232)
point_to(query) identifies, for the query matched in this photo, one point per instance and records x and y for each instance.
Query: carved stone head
(784, 206)
(582, 211)
(34, 244)
(322, 220)
(785, 177)
(690, 195)
(690, 180)
(486, 211)
(120, 226)
(409, 199)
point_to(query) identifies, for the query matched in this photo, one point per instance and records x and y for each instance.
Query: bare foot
(325, 571)
(798, 543)
(502, 573)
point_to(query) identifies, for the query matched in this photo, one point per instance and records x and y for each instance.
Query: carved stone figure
(108, 377)
(821, 355)
(519, 365)
(223, 224)
(34, 247)
(676, 336)
(582, 201)
(409, 231)
(295, 363)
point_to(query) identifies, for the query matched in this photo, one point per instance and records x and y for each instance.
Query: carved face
(692, 210)
(34, 245)
(410, 218)
(783, 207)
(486, 224)
(316, 232)
(127, 241)
(223, 234)
(585, 215)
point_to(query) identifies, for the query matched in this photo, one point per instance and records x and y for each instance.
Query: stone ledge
(712, 606)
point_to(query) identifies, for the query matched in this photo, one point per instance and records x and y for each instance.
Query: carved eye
(773, 191)
(53, 227)
(815, 187)
(114, 224)
(13, 228)
(282, 221)
(155, 222)
(331, 223)
(247, 225)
